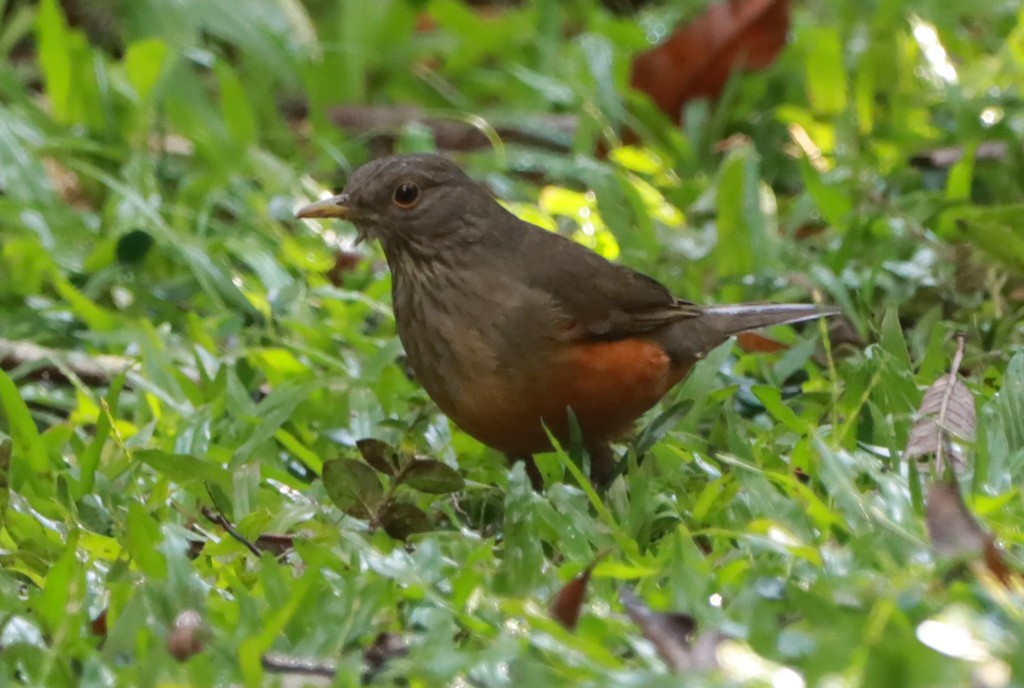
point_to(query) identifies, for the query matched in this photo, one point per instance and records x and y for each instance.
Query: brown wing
(606, 300)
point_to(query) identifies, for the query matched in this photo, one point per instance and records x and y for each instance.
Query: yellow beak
(335, 206)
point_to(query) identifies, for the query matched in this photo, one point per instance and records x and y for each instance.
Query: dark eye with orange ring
(406, 195)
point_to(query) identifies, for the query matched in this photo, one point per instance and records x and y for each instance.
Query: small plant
(356, 488)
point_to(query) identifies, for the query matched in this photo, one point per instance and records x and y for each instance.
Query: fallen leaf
(955, 532)
(698, 59)
(672, 635)
(946, 413)
(755, 342)
(568, 603)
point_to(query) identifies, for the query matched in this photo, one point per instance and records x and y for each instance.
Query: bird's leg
(532, 472)
(602, 464)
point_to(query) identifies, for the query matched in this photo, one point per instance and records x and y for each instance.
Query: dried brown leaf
(755, 342)
(568, 603)
(946, 414)
(672, 635)
(952, 527)
(699, 58)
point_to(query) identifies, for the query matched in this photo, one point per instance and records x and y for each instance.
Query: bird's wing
(603, 300)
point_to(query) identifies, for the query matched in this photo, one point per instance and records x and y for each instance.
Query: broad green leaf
(401, 520)
(379, 454)
(353, 487)
(432, 476)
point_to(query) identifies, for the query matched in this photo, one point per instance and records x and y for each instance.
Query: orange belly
(608, 385)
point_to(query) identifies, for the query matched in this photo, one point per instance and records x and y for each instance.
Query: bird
(513, 329)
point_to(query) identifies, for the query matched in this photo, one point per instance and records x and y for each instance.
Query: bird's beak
(339, 207)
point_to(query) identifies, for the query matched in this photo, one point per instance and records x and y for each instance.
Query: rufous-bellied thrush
(508, 326)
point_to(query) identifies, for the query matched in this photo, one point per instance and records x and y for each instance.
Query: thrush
(509, 326)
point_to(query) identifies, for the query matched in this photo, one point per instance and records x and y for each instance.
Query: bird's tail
(694, 338)
(727, 321)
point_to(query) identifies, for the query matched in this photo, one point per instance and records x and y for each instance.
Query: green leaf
(144, 63)
(31, 459)
(771, 397)
(745, 244)
(55, 58)
(825, 73)
(143, 537)
(62, 579)
(432, 476)
(994, 229)
(6, 450)
(234, 106)
(833, 201)
(184, 469)
(401, 520)
(93, 315)
(379, 454)
(89, 460)
(353, 487)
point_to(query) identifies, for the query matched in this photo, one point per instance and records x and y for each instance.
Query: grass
(151, 158)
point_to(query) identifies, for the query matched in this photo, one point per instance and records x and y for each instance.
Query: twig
(218, 519)
(553, 132)
(43, 363)
(284, 664)
(944, 158)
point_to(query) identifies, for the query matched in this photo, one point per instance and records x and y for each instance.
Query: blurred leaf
(826, 77)
(744, 245)
(95, 316)
(55, 58)
(143, 539)
(6, 450)
(952, 527)
(29, 450)
(993, 230)
(698, 59)
(133, 246)
(145, 62)
(234, 106)
(183, 468)
(669, 633)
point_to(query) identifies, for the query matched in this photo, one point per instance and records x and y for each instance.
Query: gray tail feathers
(729, 320)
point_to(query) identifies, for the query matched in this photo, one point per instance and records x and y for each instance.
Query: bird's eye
(406, 195)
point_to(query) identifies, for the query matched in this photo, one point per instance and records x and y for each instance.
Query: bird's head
(404, 200)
